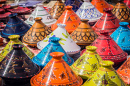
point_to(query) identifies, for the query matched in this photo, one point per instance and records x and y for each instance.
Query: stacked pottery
(84, 34)
(106, 75)
(36, 33)
(127, 2)
(17, 68)
(70, 18)
(56, 73)
(88, 11)
(121, 36)
(107, 22)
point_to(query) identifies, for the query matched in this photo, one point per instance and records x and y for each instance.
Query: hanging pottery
(83, 35)
(17, 68)
(15, 26)
(121, 11)
(88, 63)
(40, 12)
(36, 33)
(121, 36)
(127, 2)
(65, 41)
(56, 73)
(106, 75)
(70, 18)
(57, 10)
(14, 39)
(107, 22)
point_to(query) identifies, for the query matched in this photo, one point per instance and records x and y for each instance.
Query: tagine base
(83, 45)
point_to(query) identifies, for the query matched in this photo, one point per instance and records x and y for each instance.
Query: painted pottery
(84, 34)
(106, 75)
(1, 10)
(121, 11)
(1, 41)
(88, 63)
(14, 39)
(36, 33)
(4, 15)
(44, 57)
(17, 67)
(65, 41)
(57, 10)
(121, 36)
(107, 22)
(100, 5)
(74, 3)
(15, 26)
(127, 2)
(51, 4)
(70, 18)
(40, 12)
(56, 73)
(108, 49)
(6, 6)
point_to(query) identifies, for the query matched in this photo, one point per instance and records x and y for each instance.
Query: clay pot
(127, 2)
(56, 73)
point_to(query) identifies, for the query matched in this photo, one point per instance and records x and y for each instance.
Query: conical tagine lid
(65, 41)
(15, 26)
(44, 57)
(56, 73)
(57, 10)
(107, 22)
(40, 12)
(14, 39)
(70, 18)
(88, 11)
(127, 2)
(17, 64)
(88, 63)
(105, 76)
(51, 4)
(36, 33)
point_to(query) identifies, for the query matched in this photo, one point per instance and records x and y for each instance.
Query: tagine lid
(19, 10)
(6, 6)
(4, 15)
(127, 2)
(56, 72)
(1, 10)
(51, 4)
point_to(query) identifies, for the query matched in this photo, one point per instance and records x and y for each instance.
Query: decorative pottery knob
(124, 24)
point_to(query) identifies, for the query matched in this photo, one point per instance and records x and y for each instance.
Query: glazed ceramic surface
(127, 2)
(65, 41)
(107, 22)
(15, 26)
(36, 33)
(105, 76)
(56, 73)
(14, 39)
(121, 36)
(70, 18)
(44, 57)
(51, 4)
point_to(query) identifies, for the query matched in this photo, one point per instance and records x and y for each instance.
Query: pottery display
(17, 67)
(106, 75)
(121, 11)
(36, 33)
(40, 12)
(44, 57)
(127, 2)
(51, 4)
(70, 18)
(84, 34)
(56, 73)
(121, 36)
(57, 10)
(15, 26)
(14, 39)
(107, 22)
(65, 41)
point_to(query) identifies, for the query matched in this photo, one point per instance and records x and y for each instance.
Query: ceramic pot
(17, 68)
(70, 18)
(36, 33)
(106, 75)
(65, 41)
(4, 15)
(57, 10)
(2, 26)
(121, 11)
(56, 73)
(6, 6)
(1, 41)
(14, 39)
(51, 4)
(127, 2)
(83, 35)
(44, 57)
(121, 36)
(107, 22)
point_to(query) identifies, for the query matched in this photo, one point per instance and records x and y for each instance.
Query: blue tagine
(44, 56)
(122, 36)
(15, 26)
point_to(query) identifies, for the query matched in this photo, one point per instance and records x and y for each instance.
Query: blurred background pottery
(127, 2)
